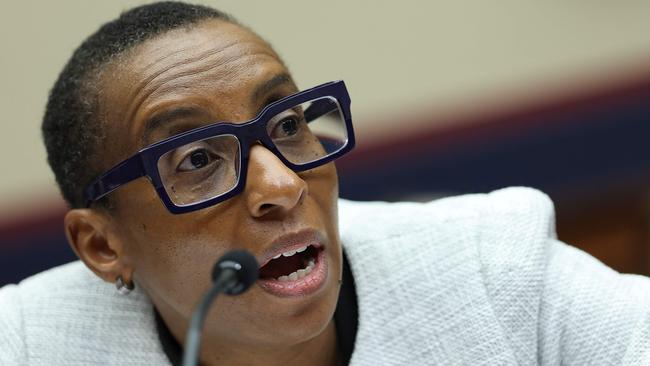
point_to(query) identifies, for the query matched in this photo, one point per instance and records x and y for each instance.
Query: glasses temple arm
(128, 170)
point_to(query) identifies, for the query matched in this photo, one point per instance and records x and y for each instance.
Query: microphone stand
(233, 274)
(193, 341)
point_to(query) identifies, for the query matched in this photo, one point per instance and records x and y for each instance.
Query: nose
(271, 187)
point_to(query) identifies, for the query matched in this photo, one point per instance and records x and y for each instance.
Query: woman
(468, 280)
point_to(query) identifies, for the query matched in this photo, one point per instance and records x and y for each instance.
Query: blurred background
(447, 97)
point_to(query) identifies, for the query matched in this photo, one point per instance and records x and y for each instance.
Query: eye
(197, 159)
(289, 126)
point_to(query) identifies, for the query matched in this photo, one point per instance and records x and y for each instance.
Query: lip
(307, 285)
(302, 286)
(291, 241)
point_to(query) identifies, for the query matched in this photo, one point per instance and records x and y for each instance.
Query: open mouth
(291, 265)
(295, 265)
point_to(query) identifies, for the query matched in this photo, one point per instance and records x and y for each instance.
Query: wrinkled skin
(214, 67)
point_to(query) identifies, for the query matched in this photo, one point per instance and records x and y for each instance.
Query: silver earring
(122, 287)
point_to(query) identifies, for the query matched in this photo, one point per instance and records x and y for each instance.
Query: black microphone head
(245, 266)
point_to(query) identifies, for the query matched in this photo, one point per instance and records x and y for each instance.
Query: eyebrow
(162, 118)
(269, 85)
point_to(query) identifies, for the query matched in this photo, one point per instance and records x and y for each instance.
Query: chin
(301, 323)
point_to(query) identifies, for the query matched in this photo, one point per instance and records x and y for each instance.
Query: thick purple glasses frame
(145, 161)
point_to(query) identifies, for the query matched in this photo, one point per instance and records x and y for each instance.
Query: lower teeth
(299, 273)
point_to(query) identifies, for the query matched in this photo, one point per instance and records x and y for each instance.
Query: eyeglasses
(202, 167)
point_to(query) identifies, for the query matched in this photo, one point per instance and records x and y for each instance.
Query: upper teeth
(291, 252)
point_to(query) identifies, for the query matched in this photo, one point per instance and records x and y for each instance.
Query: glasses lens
(309, 131)
(200, 170)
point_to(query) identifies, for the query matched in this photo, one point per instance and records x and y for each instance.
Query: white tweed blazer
(469, 280)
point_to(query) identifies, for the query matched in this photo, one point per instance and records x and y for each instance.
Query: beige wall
(396, 57)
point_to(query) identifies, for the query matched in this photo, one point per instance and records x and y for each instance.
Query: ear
(92, 236)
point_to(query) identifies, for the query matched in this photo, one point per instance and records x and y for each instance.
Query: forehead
(211, 46)
(213, 66)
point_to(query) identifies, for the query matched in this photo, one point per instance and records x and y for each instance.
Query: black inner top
(345, 318)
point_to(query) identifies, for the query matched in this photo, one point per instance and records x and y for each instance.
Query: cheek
(174, 264)
(324, 190)
(172, 255)
(323, 184)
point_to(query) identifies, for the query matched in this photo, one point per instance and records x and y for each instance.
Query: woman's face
(217, 71)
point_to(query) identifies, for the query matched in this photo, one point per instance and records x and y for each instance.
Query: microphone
(233, 274)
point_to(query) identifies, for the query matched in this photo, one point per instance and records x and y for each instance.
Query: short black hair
(71, 127)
